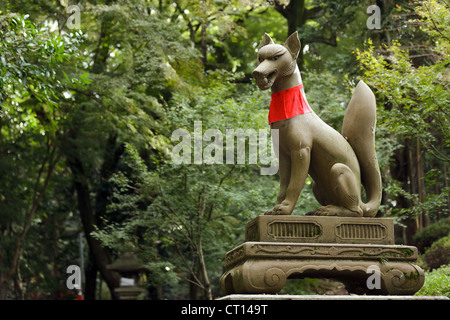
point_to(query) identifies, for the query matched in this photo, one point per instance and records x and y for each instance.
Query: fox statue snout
(338, 163)
(264, 78)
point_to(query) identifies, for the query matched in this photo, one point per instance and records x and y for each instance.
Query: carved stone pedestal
(347, 249)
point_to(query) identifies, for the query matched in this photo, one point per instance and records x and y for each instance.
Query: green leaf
(65, 76)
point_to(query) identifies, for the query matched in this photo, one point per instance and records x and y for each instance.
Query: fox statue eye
(275, 58)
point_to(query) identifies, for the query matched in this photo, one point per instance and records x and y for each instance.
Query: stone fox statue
(338, 163)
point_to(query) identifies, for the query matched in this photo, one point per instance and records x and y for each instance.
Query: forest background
(87, 113)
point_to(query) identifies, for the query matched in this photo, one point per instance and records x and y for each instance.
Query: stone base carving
(316, 229)
(264, 267)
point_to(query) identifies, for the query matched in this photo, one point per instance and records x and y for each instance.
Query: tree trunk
(446, 186)
(295, 16)
(412, 223)
(18, 290)
(4, 284)
(90, 276)
(90, 214)
(202, 265)
(38, 195)
(193, 288)
(423, 218)
(101, 256)
(402, 171)
(203, 46)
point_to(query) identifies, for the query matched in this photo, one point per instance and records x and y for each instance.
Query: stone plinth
(314, 229)
(347, 249)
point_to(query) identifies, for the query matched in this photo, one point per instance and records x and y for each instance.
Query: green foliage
(416, 94)
(433, 19)
(29, 57)
(32, 82)
(169, 215)
(437, 282)
(242, 47)
(86, 120)
(439, 253)
(412, 96)
(328, 95)
(425, 238)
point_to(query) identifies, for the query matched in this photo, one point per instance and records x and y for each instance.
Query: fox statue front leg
(284, 167)
(293, 173)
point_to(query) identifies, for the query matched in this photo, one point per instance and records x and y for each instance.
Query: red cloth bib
(287, 103)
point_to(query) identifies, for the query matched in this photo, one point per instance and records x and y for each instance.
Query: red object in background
(287, 103)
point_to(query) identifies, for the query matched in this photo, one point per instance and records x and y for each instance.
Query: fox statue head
(277, 63)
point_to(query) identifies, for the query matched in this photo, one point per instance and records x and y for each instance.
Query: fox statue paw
(331, 210)
(284, 208)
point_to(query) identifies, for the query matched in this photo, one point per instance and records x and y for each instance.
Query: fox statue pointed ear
(265, 41)
(293, 45)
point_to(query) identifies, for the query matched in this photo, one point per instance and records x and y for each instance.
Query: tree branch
(314, 13)
(439, 154)
(218, 187)
(281, 8)
(191, 271)
(434, 24)
(330, 41)
(36, 200)
(192, 31)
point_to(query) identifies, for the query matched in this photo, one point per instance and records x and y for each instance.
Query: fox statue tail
(359, 129)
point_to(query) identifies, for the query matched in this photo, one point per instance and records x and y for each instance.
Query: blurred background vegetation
(86, 117)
